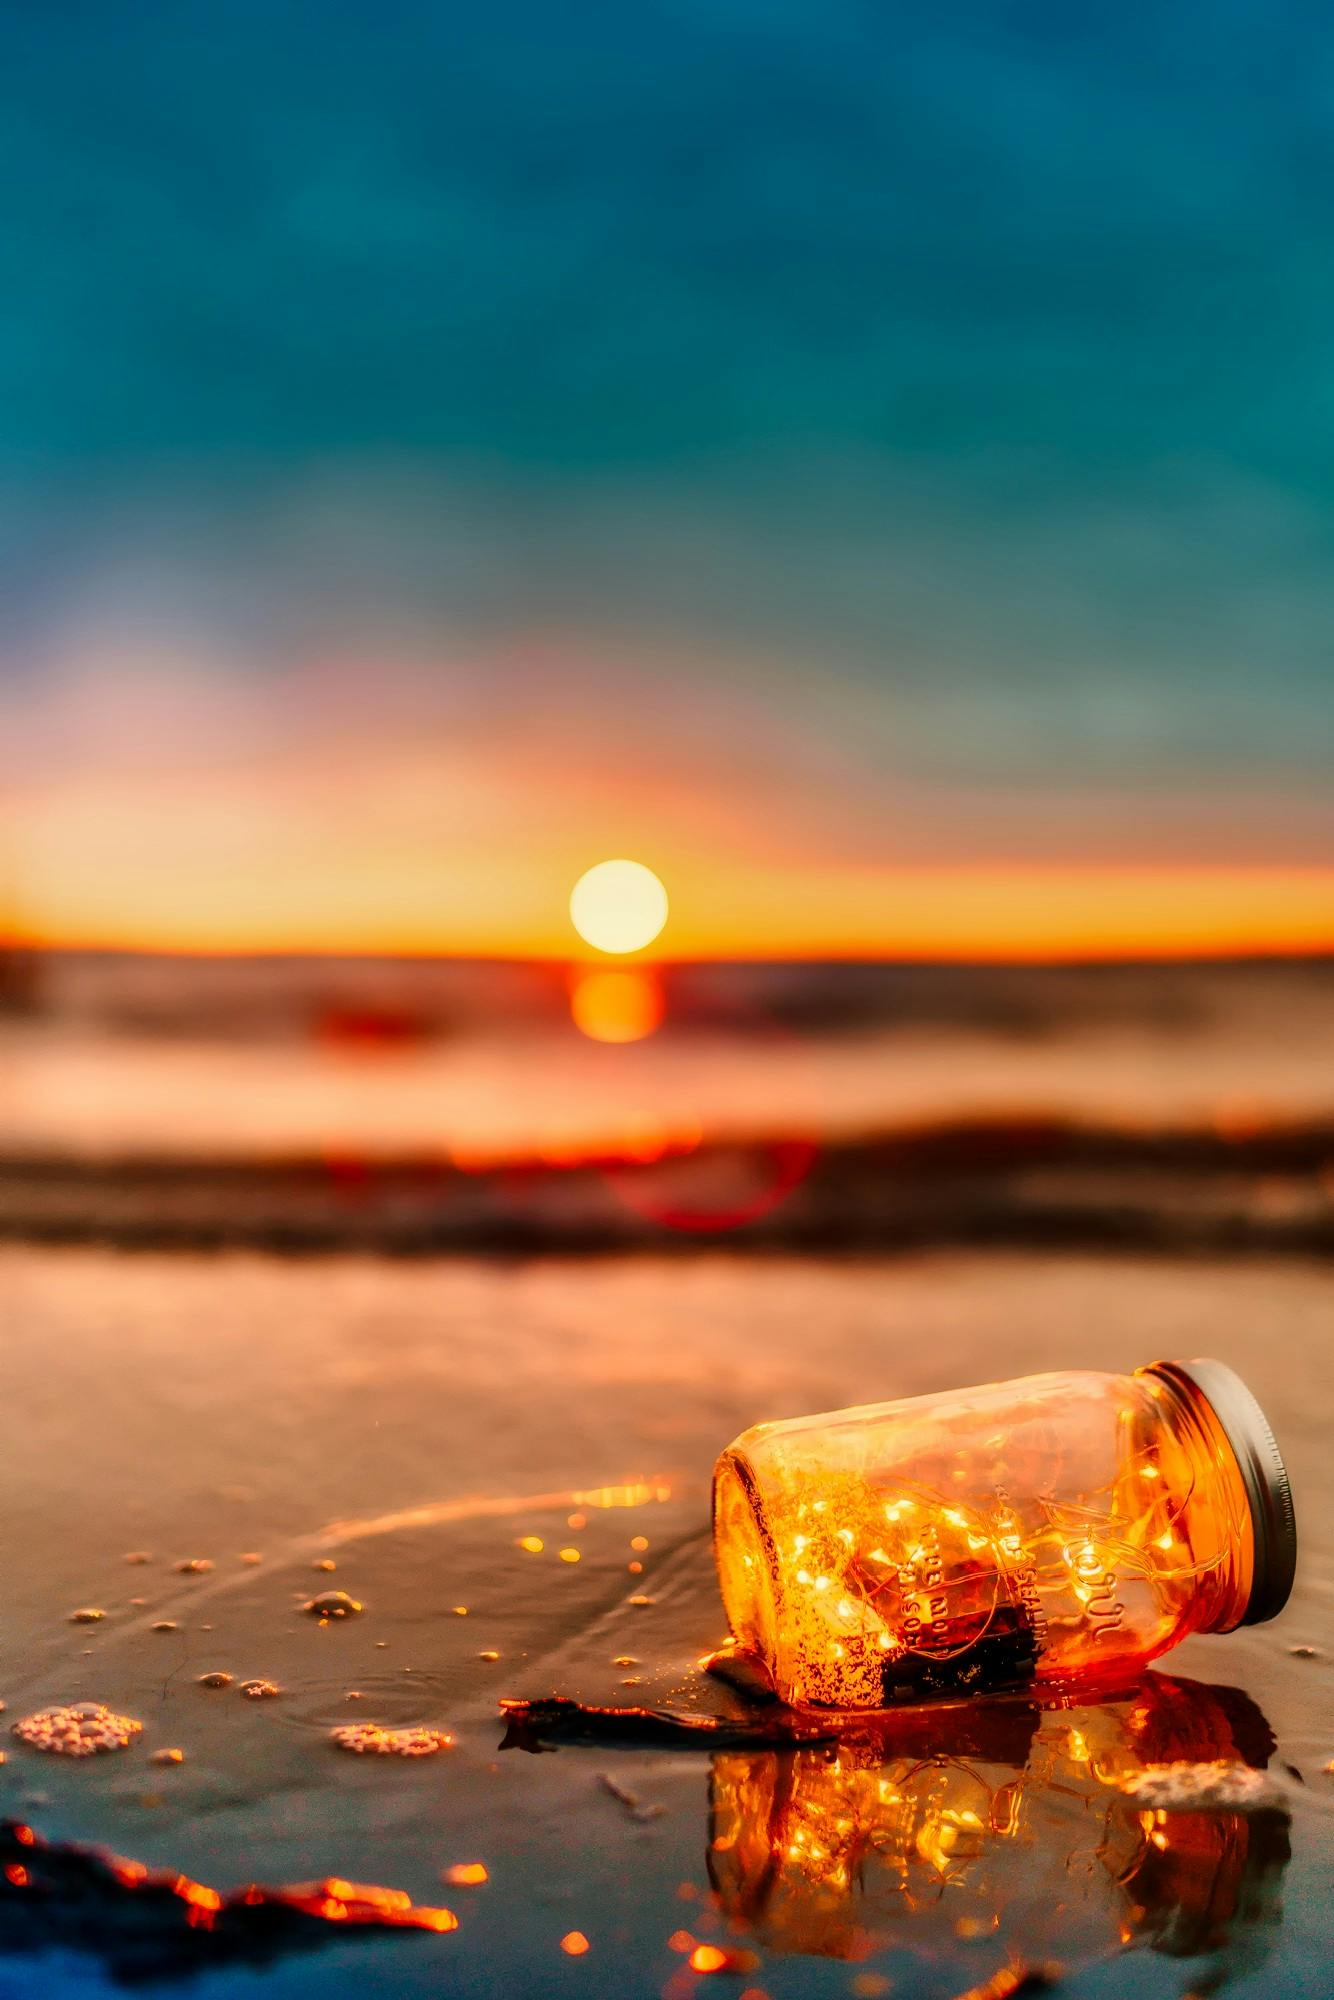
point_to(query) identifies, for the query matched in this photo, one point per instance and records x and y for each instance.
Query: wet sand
(411, 1424)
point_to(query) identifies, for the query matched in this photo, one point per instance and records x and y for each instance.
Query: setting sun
(618, 906)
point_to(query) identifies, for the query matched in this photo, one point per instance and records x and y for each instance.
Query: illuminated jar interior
(1065, 1528)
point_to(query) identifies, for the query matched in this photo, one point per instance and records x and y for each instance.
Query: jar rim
(1263, 1474)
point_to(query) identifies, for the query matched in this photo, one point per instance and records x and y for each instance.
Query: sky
(874, 464)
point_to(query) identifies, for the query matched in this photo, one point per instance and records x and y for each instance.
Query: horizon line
(1147, 953)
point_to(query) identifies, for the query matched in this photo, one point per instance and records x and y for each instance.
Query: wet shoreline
(1028, 1182)
(450, 1435)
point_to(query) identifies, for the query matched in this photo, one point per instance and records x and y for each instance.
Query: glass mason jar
(1064, 1529)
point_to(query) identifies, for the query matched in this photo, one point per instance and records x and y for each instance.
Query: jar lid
(1263, 1474)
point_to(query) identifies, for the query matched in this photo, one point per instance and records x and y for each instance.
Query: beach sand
(411, 1423)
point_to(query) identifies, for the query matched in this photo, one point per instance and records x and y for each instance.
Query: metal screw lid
(1263, 1473)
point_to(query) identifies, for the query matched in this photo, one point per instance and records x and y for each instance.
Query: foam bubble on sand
(371, 1738)
(332, 1604)
(259, 1690)
(1191, 1787)
(78, 1729)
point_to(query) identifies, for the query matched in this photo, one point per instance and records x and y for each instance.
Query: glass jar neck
(1216, 1515)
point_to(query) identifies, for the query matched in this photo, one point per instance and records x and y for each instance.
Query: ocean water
(424, 1106)
(119, 1056)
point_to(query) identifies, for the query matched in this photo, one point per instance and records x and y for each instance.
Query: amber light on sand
(466, 1874)
(69, 1879)
(721, 1958)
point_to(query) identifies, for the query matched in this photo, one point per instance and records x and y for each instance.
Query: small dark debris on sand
(633, 1804)
(547, 1723)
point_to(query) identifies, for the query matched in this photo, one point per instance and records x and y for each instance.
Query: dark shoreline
(1027, 1182)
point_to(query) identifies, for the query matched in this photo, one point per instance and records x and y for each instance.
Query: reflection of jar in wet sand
(1064, 1529)
(969, 1818)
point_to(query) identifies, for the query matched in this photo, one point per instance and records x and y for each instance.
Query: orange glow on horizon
(1019, 912)
(157, 800)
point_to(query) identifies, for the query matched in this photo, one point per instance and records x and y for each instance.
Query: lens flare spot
(618, 906)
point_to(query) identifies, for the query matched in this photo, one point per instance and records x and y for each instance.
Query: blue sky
(948, 388)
